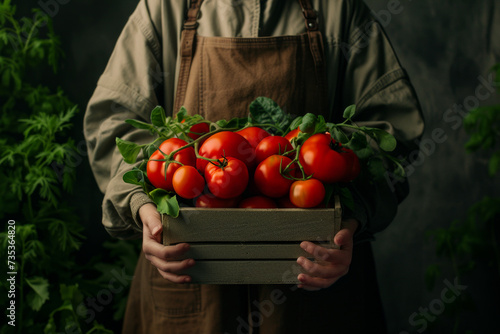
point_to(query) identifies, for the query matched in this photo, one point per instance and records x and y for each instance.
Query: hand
(330, 264)
(162, 256)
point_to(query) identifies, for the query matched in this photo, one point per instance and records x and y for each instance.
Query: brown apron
(220, 76)
(218, 79)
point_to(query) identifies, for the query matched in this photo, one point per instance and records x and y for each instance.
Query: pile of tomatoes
(250, 168)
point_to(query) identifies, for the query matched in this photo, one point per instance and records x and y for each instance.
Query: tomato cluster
(250, 168)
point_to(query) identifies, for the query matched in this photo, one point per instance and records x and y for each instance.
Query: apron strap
(188, 38)
(316, 46)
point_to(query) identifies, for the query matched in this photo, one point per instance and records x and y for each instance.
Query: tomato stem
(286, 172)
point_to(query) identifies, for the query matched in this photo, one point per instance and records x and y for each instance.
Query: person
(214, 58)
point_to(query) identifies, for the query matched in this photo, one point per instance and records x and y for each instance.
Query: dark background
(446, 46)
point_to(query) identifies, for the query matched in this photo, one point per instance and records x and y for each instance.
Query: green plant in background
(35, 180)
(475, 238)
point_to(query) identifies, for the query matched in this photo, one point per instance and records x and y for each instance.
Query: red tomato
(353, 161)
(210, 201)
(254, 135)
(187, 182)
(198, 130)
(307, 194)
(228, 179)
(272, 145)
(325, 159)
(229, 144)
(292, 134)
(156, 169)
(258, 202)
(268, 178)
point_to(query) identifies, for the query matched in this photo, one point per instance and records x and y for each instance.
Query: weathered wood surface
(249, 246)
(244, 251)
(238, 225)
(245, 272)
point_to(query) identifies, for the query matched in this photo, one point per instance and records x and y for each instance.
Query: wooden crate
(249, 246)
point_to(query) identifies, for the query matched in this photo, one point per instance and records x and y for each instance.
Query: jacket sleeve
(374, 80)
(126, 90)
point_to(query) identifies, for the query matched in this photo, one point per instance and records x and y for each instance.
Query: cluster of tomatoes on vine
(250, 167)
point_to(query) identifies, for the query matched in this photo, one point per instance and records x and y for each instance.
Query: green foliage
(36, 179)
(264, 110)
(372, 145)
(473, 239)
(483, 126)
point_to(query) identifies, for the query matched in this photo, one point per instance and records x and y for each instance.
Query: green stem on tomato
(288, 167)
(195, 142)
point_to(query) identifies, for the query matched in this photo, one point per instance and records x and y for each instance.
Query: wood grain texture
(244, 251)
(239, 225)
(249, 246)
(245, 272)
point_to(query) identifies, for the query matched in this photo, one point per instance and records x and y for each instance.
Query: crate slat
(245, 272)
(244, 251)
(237, 225)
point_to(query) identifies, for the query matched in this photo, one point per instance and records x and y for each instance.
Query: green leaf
(166, 203)
(494, 164)
(149, 149)
(358, 141)
(431, 274)
(234, 123)
(51, 327)
(349, 111)
(128, 150)
(99, 329)
(376, 168)
(181, 115)
(134, 176)
(158, 116)
(385, 140)
(365, 153)
(308, 124)
(295, 123)
(264, 110)
(67, 238)
(71, 293)
(139, 125)
(339, 135)
(39, 293)
(34, 252)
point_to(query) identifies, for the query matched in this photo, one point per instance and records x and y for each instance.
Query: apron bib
(219, 76)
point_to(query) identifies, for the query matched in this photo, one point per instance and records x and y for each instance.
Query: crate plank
(244, 272)
(236, 225)
(244, 251)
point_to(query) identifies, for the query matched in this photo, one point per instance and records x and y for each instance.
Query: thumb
(345, 235)
(151, 221)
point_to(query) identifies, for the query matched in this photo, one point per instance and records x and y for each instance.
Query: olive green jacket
(142, 72)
